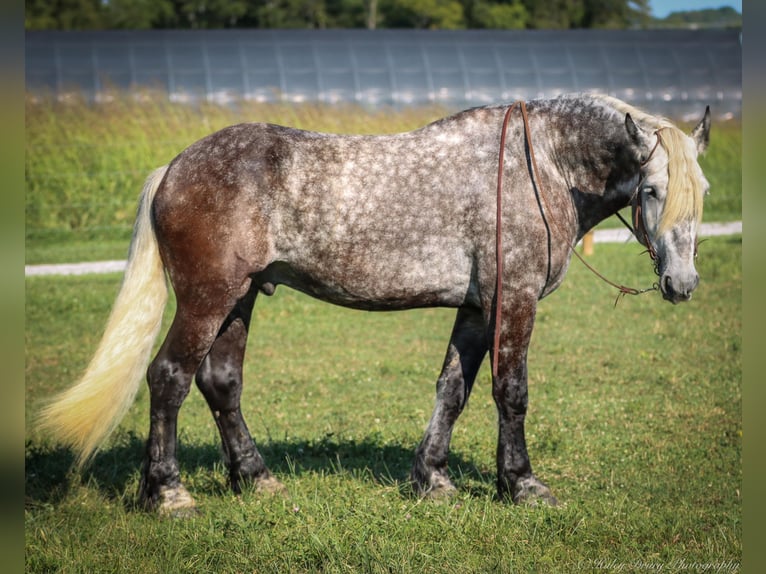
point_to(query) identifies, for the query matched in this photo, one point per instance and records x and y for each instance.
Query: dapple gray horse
(377, 223)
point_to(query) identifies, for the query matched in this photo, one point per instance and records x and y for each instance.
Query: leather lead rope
(499, 235)
(535, 176)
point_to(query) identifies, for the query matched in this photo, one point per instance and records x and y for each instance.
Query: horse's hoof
(533, 493)
(439, 488)
(176, 502)
(182, 513)
(270, 485)
(441, 493)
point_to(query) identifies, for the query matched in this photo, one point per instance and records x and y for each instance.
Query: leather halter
(638, 228)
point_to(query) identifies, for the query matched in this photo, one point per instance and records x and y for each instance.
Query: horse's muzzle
(678, 290)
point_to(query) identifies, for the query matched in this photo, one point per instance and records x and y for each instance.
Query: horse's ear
(637, 136)
(701, 133)
(633, 131)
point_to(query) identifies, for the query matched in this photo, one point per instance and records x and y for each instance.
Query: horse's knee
(510, 392)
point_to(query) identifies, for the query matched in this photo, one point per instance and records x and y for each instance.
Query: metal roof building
(673, 72)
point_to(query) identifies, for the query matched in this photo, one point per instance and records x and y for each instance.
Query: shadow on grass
(49, 474)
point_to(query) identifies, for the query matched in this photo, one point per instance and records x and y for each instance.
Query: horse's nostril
(679, 290)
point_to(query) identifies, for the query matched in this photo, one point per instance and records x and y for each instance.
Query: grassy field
(634, 422)
(634, 419)
(85, 164)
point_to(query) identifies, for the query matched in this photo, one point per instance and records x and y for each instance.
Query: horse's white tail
(84, 415)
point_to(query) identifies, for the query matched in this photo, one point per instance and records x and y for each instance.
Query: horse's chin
(675, 298)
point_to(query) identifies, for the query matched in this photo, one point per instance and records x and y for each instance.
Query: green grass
(634, 411)
(634, 422)
(85, 165)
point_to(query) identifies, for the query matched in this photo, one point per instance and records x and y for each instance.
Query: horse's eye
(650, 190)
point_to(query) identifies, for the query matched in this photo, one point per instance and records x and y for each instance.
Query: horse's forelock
(685, 193)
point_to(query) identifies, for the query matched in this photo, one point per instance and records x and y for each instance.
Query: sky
(661, 8)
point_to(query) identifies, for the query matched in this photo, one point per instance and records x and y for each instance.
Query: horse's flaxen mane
(685, 191)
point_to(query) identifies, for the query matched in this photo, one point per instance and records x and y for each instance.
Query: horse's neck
(597, 174)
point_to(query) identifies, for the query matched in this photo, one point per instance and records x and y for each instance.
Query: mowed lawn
(634, 422)
(634, 418)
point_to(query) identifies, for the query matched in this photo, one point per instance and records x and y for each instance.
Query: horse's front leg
(466, 350)
(515, 479)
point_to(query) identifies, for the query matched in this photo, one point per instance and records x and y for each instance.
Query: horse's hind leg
(219, 378)
(466, 350)
(190, 337)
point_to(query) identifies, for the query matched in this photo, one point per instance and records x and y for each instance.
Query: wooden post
(587, 243)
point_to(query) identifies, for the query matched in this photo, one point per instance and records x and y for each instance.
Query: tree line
(422, 14)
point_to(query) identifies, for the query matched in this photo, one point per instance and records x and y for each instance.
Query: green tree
(616, 14)
(555, 14)
(444, 14)
(210, 13)
(640, 13)
(719, 17)
(290, 14)
(63, 15)
(506, 15)
(428, 14)
(139, 14)
(347, 13)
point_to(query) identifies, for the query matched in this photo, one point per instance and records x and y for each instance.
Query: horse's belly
(374, 282)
